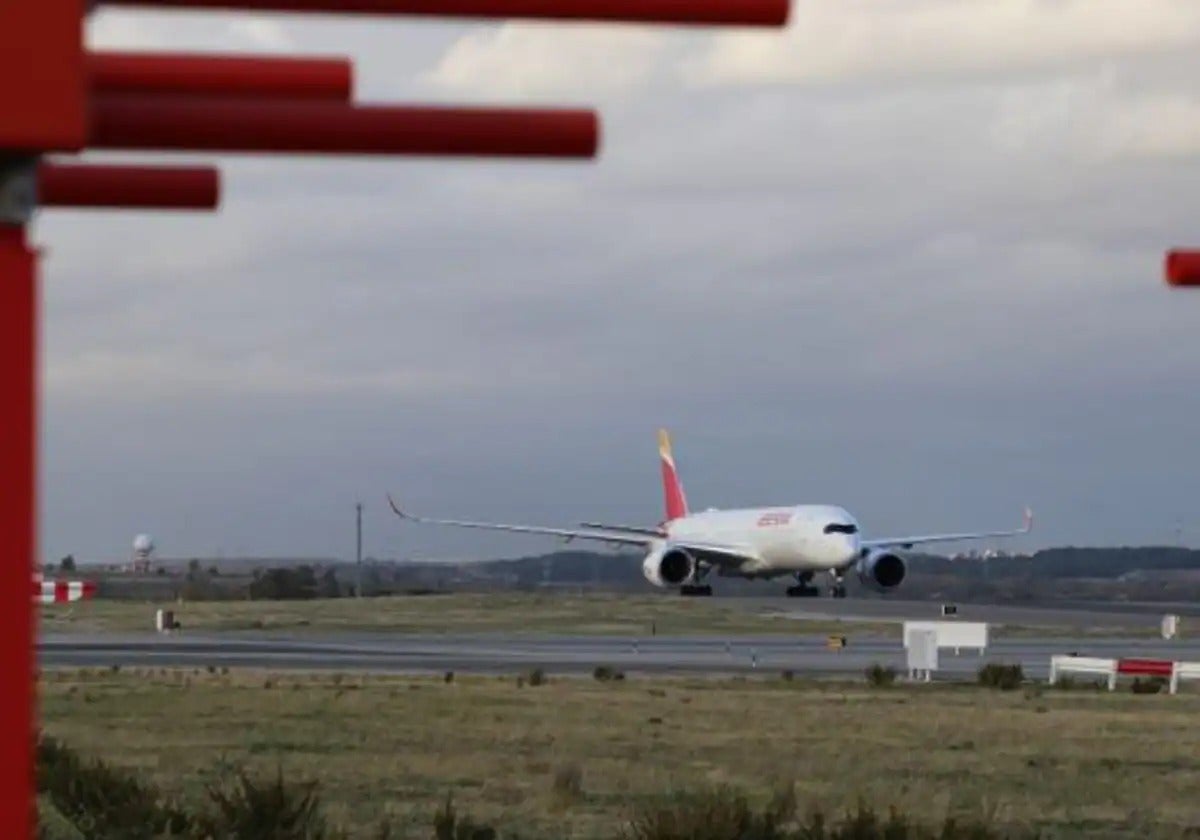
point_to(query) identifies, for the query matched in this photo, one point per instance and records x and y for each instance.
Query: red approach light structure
(58, 98)
(1182, 268)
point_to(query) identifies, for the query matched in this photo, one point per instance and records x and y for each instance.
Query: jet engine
(881, 570)
(667, 566)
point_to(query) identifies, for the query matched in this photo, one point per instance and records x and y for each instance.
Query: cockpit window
(835, 528)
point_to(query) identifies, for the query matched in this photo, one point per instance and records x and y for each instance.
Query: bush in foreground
(879, 676)
(101, 802)
(1003, 677)
(725, 814)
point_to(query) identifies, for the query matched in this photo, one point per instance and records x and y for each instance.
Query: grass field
(593, 614)
(1071, 762)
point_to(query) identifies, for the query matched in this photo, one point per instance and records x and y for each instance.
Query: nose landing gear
(837, 589)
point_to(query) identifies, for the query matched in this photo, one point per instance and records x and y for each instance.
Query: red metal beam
(1146, 667)
(699, 12)
(239, 125)
(18, 445)
(1182, 268)
(221, 75)
(130, 187)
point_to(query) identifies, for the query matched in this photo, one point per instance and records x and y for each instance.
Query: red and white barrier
(1087, 665)
(1184, 671)
(62, 591)
(1173, 672)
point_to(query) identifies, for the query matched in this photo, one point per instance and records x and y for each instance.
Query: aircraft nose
(853, 546)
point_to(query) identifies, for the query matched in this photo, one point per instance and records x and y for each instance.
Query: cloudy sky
(904, 256)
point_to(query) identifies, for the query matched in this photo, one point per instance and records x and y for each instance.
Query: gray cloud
(931, 299)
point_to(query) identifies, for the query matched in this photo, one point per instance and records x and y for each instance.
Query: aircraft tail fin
(673, 496)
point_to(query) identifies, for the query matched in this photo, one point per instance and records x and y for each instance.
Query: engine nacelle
(667, 566)
(881, 570)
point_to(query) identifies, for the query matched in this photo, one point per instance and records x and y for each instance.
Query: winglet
(396, 508)
(1027, 523)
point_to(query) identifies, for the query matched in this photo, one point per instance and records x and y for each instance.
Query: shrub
(726, 815)
(247, 807)
(721, 814)
(536, 677)
(880, 676)
(568, 784)
(447, 825)
(1003, 677)
(1151, 685)
(102, 801)
(448, 677)
(606, 673)
(787, 676)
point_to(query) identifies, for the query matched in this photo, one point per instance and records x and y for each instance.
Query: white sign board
(1170, 626)
(922, 654)
(950, 634)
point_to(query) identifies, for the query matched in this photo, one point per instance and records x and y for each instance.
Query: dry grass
(1070, 762)
(593, 614)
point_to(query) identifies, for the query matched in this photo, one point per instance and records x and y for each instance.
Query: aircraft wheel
(803, 592)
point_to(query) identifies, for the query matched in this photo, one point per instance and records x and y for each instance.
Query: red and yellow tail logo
(675, 500)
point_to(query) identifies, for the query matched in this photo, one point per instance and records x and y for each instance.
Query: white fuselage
(787, 539)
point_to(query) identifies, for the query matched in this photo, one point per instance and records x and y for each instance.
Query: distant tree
(213, 571)
(67, 564)
(193, 570)
(283, 584)
(329, 588)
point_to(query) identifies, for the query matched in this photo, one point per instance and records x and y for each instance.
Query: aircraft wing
(909, 542)
(720, 555)
(593, 534)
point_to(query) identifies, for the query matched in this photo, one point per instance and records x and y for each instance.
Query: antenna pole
(358, 552)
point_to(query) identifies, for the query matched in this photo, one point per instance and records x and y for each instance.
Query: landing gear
(837, 589)
(697, 589)
(803, 587)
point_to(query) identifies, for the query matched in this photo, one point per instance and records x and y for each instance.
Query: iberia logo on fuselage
(774, 518)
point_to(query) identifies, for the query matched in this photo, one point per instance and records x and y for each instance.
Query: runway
(514, 653)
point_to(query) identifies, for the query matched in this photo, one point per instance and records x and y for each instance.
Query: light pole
(358, 552)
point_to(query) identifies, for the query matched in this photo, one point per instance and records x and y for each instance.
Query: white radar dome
(142, 544)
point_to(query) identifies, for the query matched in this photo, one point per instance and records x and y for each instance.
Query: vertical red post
(18, 447)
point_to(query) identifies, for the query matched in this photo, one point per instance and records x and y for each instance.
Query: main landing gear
(803, 587)
(696, 589)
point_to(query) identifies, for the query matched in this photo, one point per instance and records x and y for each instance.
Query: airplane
(757, 543)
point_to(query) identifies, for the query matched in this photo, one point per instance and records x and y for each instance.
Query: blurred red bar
(18, 523)
(1182, 268)
(220, 75)
(699, 12)
(240, 125)
(130, 187)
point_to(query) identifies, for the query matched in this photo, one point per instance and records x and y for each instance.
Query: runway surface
(1081, 615)
(513, 653)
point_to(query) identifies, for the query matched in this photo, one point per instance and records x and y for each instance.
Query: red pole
(239, 125)
(1182, 268)
(700, 12)
(221, 75)
(130, 187)
(18, 443)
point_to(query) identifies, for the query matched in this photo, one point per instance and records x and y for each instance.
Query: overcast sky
(903, 257)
